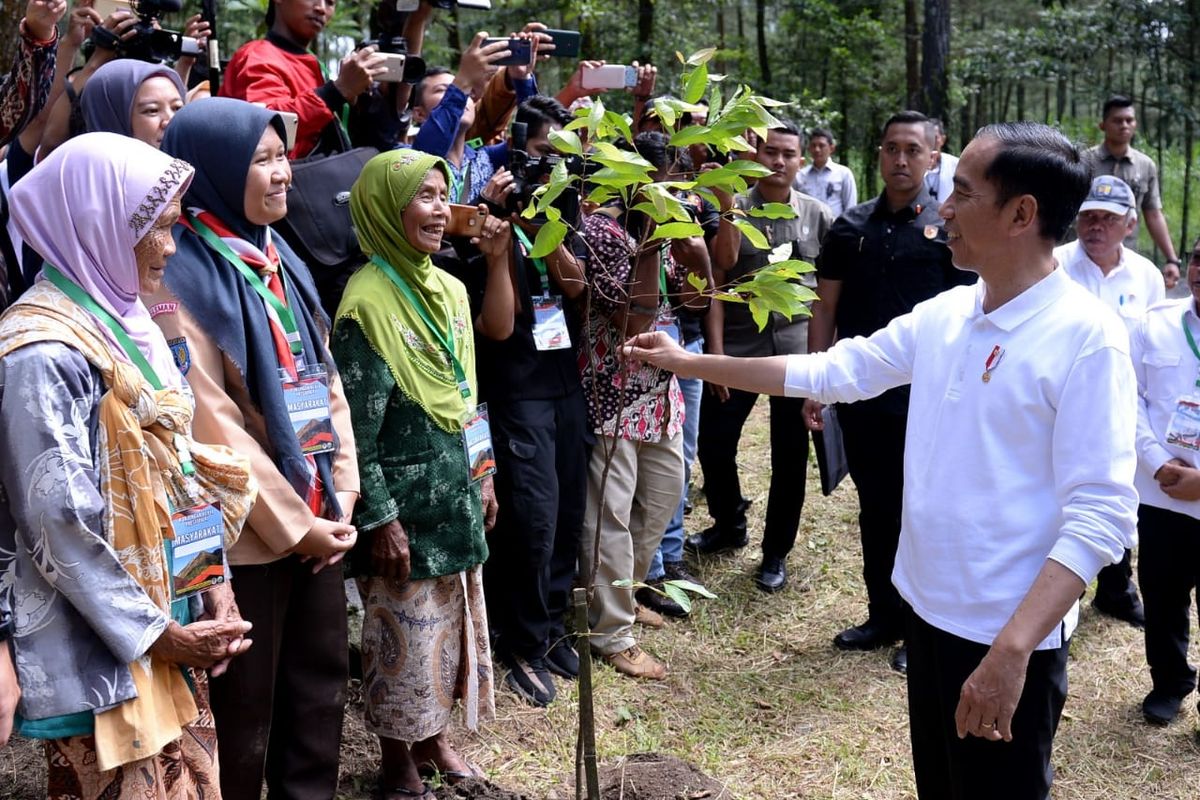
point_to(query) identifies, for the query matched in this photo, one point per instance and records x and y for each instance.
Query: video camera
(530, 172)
(152, 43)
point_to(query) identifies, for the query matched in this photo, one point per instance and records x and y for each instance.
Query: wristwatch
(1174, 261)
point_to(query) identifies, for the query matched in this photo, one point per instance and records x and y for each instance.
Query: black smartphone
(520, 51)
(566, 43)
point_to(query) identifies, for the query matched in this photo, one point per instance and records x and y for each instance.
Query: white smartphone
(395, 68)
(291, 124)
(105, 8)
(609, 76)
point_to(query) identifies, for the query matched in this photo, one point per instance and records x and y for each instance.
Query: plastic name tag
(307, 400)
(477, 443)
(197, 551)
(550, 324)
(1184, 428)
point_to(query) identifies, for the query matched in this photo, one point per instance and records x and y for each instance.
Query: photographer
(445, 104)
(280, 73)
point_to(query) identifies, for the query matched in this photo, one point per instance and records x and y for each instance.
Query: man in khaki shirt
(1116, 156)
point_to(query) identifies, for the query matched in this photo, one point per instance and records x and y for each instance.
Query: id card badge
(669, 326)
(477, 443)
(1184, 428)
(307, 400)
(196, 554)
(550, 324)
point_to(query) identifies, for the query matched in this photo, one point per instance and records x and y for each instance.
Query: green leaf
(760, 312)
(619, 122)
(656, 214)
(752, 233)
(689, 586)
(701, 57)
(549, 238)
(677, 230)
(743, 166)
(774, 211)
(678, 595)
(665, 112)
(566, 142)
(559, 181)
(695, 83)
(692, 134)
(623, 583)
(697, 283)
(594, 117)
(624, 716)
(601, 195)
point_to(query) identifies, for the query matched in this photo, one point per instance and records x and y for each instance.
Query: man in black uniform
(879, 260)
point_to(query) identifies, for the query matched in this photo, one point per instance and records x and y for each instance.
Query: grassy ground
(759, 699)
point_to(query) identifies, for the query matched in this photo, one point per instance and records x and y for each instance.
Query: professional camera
(530, 172)
(150, 42)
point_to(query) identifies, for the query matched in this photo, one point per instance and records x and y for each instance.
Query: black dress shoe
(717, 540)
(900, 660)
(1160, 708)
(868, 636)
(1126, 610)
(562, 659)
(678, 571)
(654, 601)
(772, 574)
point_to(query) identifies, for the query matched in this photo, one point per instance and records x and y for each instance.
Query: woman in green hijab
(403, 341)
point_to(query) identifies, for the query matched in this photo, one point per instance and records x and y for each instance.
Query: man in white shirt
(1166, 360)
(1128, 284)
(825, 179)
(940, 177)
(1019, 462)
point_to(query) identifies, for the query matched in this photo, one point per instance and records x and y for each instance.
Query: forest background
(848, 64)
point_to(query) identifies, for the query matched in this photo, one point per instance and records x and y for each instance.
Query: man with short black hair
(824, 178)
(940, 177)
(881, 258)
(1116, 156)
(1018, 484)
(730, 328)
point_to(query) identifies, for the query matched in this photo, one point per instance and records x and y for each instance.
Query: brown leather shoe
(647, 617)
(637, 663)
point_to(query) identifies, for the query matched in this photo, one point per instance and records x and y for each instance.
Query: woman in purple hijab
(104, 492)
(132, 98)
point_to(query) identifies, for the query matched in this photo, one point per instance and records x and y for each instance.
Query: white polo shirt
(832, 184)
(1132, 286)
(1037, 462)
(1166, 370)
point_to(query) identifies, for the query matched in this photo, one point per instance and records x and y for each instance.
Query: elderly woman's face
(426, 216)
(267, 182)
(154, 105)
(155, 248)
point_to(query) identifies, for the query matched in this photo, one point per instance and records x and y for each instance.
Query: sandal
(404, 791)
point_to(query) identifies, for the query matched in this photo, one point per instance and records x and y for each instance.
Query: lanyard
(537, 262)
(1191, 340)
(446, 340)
(344, 119)
(662, 272)
(73, 291)
(287, 318)
(84, 300)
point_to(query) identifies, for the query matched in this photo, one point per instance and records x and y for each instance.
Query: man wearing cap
(1116, 156)
(1128, 284)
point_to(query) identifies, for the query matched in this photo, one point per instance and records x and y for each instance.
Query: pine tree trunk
(935, 57)
(912, 67)
(764, 61)
(645, 30)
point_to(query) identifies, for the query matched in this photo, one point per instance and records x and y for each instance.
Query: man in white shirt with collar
(939, 179)
(825, 179)
(1019, 462)
(1128, 284)
(1166, 360)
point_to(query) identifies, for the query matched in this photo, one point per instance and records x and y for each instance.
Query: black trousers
(720, 433)
(541, 484)
(874, 443)
(1169, 571)
(279, 706)
(949, 768)
(1114, 584)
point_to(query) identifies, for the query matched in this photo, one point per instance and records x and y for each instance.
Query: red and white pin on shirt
(992, 362)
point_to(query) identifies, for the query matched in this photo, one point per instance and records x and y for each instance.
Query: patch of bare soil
(477, 790)
(653, 776)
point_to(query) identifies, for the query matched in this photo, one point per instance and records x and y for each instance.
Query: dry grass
(759, 699)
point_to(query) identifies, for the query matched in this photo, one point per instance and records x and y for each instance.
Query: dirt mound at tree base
(653, 776)
(477, 790)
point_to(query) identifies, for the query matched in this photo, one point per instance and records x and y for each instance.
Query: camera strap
(344, 118)
(540, 263)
